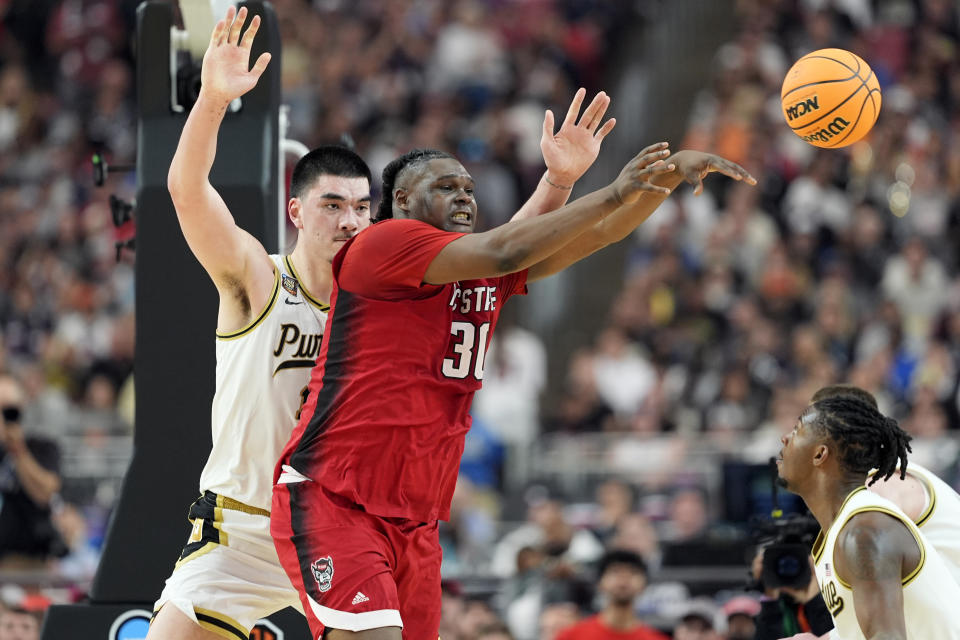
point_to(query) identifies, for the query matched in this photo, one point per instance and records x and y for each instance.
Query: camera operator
(785, 610)
(29, 479)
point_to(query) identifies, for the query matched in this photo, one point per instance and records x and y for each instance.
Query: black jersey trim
(220, 624)
(334, 372)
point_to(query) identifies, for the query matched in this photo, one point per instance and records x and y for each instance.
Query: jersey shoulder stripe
(263, 314)
(906, 522)
(820, 542)
(323, 306)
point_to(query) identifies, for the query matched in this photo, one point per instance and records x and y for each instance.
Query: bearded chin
(782, 482)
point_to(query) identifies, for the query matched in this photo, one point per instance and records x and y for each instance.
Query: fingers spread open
(261, 64)
(217, 36)
(548, 124)
(594, 111)
(652, 158)
(574, 109)
(251, 31)
(237, 26)
(657, 146)
(657, 168)
(606, 128)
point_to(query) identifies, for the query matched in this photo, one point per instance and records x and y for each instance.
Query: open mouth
(462, 217)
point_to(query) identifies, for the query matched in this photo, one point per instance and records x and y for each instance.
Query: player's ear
(295, 211)
(820, 454)
(401, 200)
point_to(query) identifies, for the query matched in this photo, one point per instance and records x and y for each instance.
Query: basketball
(830, 98)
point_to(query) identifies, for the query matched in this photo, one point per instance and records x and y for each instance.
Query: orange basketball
(830, 98)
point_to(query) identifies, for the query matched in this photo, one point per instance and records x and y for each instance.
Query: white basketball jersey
(930, 595)
(940, 521)
(262, 375)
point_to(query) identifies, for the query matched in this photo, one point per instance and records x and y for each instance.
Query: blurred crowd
(736, 305)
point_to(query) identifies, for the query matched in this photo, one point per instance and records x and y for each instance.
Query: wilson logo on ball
(803, 107)
(825, 134)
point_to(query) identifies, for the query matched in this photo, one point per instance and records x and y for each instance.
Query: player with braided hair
(371, 467)
(390, 172)
(866, 439)
(929, 501)
(880, 577)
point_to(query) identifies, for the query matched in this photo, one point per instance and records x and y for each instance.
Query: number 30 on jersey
(469, 349)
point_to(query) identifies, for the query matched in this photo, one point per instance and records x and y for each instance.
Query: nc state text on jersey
(473, 298)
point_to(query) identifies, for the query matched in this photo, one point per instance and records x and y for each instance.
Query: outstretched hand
(694, 166)
(635, 178)
(226, 73)
(569, 152)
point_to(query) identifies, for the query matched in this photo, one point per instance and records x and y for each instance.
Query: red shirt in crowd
(594, 629)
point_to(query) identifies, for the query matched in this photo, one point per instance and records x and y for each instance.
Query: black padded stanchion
(176, 310)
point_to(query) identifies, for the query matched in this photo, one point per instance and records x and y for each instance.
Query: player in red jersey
(371, 466)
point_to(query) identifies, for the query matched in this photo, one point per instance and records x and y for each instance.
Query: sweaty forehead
(447, 166)
(435, 168)
(347, 188)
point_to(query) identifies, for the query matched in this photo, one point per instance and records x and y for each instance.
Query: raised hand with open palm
(226, 73)
(569, 152)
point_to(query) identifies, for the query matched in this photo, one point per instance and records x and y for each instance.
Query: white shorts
(228, 576)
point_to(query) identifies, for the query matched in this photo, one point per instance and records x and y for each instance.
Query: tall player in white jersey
(880, 577)
(269, 327)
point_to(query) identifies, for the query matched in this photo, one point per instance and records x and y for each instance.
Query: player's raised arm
(230, 255)
(520, 244)
(689, 166)
(874, 553)
(568, 153)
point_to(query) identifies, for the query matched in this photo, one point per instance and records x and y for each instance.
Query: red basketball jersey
(389, 400)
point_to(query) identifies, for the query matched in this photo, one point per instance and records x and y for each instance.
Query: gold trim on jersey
(225, 502)
(306, 294)
(822, 536)
(221, 624)
(906, 522)
(263, 314)
(218, 520)
(206, 548)
(931, 493)
(817, 549)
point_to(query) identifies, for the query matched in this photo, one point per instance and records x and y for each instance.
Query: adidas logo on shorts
(357, 599)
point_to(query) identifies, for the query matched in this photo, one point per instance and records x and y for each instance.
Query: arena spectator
(19, 624)
(621, 578)
(697, 621)
(740, 612)
(29, 480)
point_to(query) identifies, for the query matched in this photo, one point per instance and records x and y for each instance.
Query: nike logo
(289, 301)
